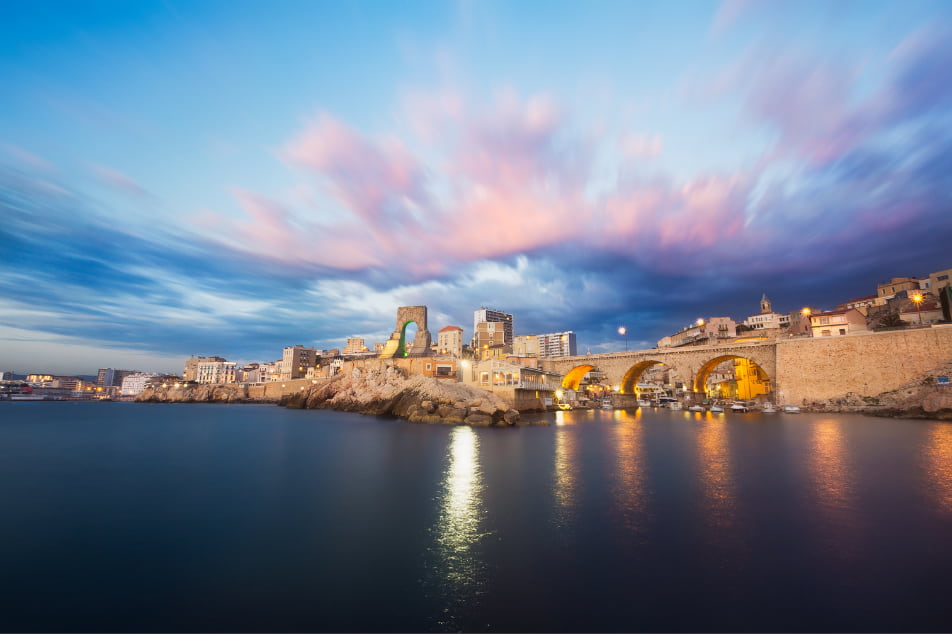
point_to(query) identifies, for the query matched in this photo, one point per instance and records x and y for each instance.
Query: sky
(230, 178)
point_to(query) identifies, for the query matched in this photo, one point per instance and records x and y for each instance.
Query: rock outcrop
(419, 399)
(379, 391)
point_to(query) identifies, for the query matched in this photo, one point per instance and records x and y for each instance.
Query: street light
(624, 331)
(917, 298)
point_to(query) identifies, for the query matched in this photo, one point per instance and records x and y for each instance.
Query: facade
(216, 372)
(525, 346)
(444, 368)
(135, 383)
(355, 345)
(191, 366)
(837, 323)
(488, 315)
(885, 290)
(296, 360)
(862, 304)
(767, 319)
(557, 344)
(522, 387)
(492, 334)
(799, 323)
(937, 281)
(928, 312)
(109, 377)
(449, 340)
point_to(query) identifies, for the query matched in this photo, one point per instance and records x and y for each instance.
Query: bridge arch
(630, 381)
(754, 377)
(573, 378)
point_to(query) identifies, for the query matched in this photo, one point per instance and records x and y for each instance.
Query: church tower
(765, 307)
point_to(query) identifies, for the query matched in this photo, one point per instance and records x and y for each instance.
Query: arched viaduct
(800, 369)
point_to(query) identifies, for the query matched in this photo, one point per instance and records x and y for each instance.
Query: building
(296, 360)
(355, 345)
(6, 376)
(886, 290)
(837, 323)
(190, 372)
(108, 377)
(520, 386)
(441, 368)
(216, 371)
(525, 346)
(135, 383)
(489, 316)
(557, 344)
(449, 340)
(926, 312)
(799, 323)
(767, 319)
(492, 334)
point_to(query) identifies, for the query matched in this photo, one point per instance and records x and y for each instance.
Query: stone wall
(865, 364)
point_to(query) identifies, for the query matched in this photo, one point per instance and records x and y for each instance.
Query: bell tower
(765, 307)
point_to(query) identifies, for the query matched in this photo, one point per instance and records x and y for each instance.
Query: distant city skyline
(232, 178)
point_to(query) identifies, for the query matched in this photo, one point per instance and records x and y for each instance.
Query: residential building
(355, 345)
(525, 345)
(6, 376)
(442, 368)
(215, 371)
(862, 304)
(378, 347)
(767, 319)
(557, 344)
(296, 360)
(135, 383)
(520, 386)
(449, 340)
(799, 322)
(191, 366)
(491, 316)
(926, 312)
(886, 290)
(109, 377)
(492, 334)
(837, 323)
(939, 280)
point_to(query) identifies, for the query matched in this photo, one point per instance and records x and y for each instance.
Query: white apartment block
(557, 344)
(132, 384)
(216, 372)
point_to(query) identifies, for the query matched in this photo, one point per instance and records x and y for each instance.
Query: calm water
(205, 517)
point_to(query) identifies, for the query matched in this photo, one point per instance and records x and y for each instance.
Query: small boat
(696, 408)
(768, 408)
(791, 409)
(643, 402)
(675, 405)
(739, 407)
(716, 409)
(607, 403)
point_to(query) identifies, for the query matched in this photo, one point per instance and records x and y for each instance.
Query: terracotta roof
(449, 328)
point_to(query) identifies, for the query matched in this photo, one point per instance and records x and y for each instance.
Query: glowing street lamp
(624, 331)
(917, 298)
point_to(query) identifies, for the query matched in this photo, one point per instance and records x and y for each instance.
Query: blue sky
(228, 178)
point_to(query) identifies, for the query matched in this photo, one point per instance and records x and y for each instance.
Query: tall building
(295, 362)
(450, 341)
(355, 345)
(489, 316)
(133, 384)
(190, 373)
(557, 344)
(109, 377)
(215, 370)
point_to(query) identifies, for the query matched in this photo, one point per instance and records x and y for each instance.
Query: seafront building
(449, 341)
(296, 360)
(492, 328)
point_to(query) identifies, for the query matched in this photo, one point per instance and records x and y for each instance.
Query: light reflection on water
(833, 487)
(714, 469)
(460, 571)
(938, 464)
(565, 473)
(630, 478)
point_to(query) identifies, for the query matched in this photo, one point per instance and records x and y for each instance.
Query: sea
(208, 517)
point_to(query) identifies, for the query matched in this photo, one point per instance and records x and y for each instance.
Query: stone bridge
(800, 369)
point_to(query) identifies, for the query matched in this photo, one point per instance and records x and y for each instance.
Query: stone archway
(750, 379)
(573, 378)
(396, 346)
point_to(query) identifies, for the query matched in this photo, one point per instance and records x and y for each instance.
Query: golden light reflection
(566, 466)
(832, 480)
(630, 485)
(714, 469)
(459, 573)
(938, 455)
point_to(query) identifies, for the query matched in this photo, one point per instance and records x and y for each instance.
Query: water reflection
(832, 480)
(566, 469)
(460, 570)
(939, 465)
(630, 478)
(714, 469)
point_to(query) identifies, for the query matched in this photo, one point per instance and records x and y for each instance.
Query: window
(941, 278)
(842, 331)
(484, 378)
(824, 333)
(824, 321)
(429, 366)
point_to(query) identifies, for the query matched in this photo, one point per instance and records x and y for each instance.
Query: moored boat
(791, 409)
(696, 408)
(607, 403)
(768, 408)
(716, 409)
(675, 405)
(739, 407)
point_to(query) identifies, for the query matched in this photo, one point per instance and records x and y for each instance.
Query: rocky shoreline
(379, 392)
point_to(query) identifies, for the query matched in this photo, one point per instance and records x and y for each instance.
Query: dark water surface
(256, 518)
